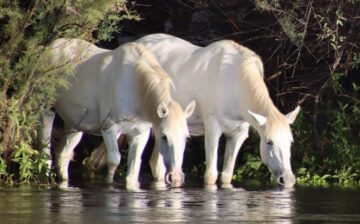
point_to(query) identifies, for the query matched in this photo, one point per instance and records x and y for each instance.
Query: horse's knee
(113, 159)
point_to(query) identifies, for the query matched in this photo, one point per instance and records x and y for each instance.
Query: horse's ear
(292, 115)
(259, 119)
(162, 110)
(190, 109)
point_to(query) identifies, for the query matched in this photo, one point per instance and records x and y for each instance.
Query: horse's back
(194, 68)
(179, 56)
(73, 50)
(102, 87)
(210, 74)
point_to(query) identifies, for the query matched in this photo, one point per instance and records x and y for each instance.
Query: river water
(93, 202)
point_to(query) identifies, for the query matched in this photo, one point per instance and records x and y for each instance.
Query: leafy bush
(27, 82)
(335, 138)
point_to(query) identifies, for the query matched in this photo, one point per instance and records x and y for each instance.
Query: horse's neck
(119, 81)
(152, 85)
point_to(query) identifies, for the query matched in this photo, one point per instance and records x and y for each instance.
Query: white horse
(226, 80)
(113, 92)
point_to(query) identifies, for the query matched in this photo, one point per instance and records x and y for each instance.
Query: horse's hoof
(159, 185)
(210, 187)
(210, 179)
(226, 186)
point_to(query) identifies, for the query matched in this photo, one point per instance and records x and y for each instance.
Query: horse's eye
(269, 142)
(164, 138)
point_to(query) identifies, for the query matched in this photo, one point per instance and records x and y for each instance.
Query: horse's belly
(81, 116)
(196, 124)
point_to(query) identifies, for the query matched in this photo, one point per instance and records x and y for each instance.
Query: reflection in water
(106, 204)
(275, 206)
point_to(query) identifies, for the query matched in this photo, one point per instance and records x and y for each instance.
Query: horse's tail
(97, 160)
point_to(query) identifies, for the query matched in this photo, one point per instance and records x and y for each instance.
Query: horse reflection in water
(109, 204)
(198, 205)
(269, 206)
(114, 92)
(226, 80)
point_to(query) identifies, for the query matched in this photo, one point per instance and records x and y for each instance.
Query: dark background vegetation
(310, 51)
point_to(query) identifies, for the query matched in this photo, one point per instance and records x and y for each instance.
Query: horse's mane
(252, 74)
(154, 84)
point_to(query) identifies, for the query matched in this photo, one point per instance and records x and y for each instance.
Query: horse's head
(170, 136)
(276, 140)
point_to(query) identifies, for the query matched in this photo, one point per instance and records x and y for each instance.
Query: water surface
(94, 202)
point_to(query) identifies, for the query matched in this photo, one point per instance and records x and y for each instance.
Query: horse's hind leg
(233, 145)
(65, 150)
(47, 121)
(113, 155)
(136, 147)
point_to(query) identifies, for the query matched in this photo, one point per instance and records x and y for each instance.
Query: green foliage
(28, 82)
(4, 175)
(327, 147)
(32, 165)
(335, 157)
(109, 25)
(331, 30)
(249, 161)
(253, 168)
(356, 61)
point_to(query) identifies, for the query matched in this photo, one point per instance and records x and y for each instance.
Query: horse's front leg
(113, 155)
(137, 144)
(157, 166)
(64, 152)
(212, 136)
(234, 142)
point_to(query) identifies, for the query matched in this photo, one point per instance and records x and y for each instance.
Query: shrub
(27, 82)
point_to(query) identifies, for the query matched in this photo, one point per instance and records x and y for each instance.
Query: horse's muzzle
(287, 180)
(175, 178)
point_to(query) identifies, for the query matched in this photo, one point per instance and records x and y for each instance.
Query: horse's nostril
(281, 180)
(182, 178)
(168, 178)
(174, 180)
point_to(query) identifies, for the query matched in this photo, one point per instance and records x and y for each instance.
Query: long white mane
(154, 84)
(252, 74)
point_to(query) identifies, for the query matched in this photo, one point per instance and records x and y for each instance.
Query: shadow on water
(94, 202)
